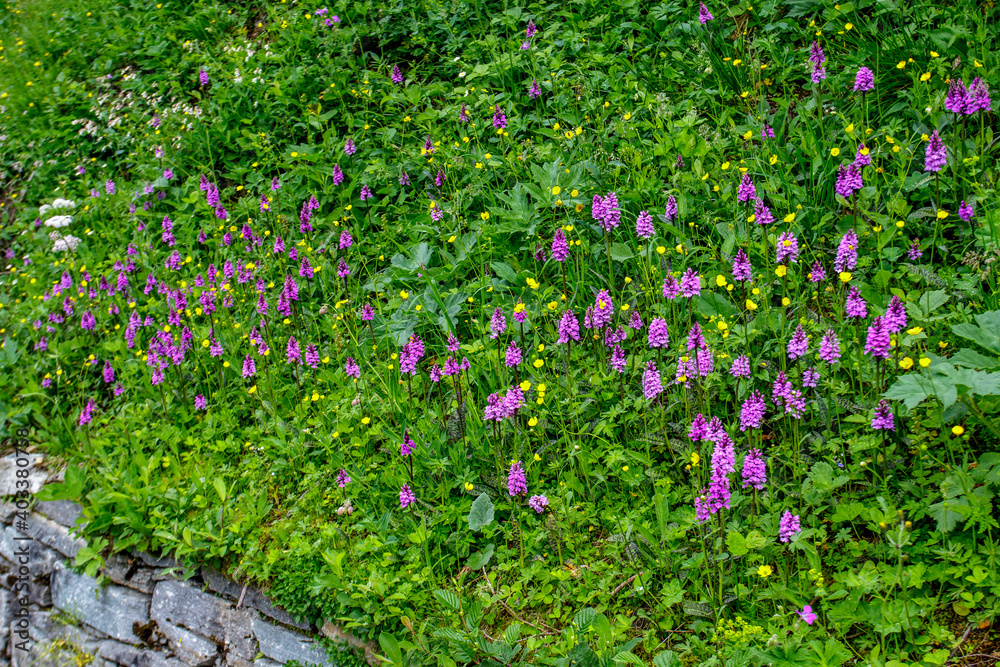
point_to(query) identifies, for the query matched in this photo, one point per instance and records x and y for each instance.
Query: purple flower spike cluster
(962, 100)
(605, 211)
(517, 482)
(789, 526)
(718, 495)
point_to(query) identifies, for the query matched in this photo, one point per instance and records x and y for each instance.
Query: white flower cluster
(57, 221)
(60, 242)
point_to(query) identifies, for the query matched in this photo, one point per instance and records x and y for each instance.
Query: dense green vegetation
(550, 334)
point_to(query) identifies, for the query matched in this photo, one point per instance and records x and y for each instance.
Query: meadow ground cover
(563, 334)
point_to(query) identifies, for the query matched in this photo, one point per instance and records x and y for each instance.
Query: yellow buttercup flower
(781, 271)
(764, 571)
(906, 363)
(957, 430)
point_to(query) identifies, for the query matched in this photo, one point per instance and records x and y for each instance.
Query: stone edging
(147, 617)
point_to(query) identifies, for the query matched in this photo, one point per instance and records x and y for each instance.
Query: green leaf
(621, 252)
(945, 516)
(584, 618)
(666, 659)
(736, 544)
(504, 271)
(913, 388)
(822, 476)
(989, 339)
(220, 488)
(481, 513)
(478, 561)
(449, 598)
(629, 658)
(972, 359)
(847, 512)
(391, 648)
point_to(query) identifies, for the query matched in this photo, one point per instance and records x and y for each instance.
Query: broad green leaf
(913, 388)
(988, 338)
(478, 561)
(945, 516)
(391, 648)
(481, 513)
(621, 252)
(822, 476)
(504, 271)
(847, 512)
(736, 544)
(972, 359)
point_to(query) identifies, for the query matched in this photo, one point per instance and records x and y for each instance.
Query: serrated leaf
(972, 359)
(736, 544)
(822, 476)
(847, 512)
(584, 618)
(945, 516)
(666, 659)
(989, 339)
(913, 388)
(449, 598)
(629, 658)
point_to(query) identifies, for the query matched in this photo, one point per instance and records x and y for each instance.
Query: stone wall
(149, 615)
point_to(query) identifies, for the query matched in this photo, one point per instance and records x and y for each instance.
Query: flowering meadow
(553, 334)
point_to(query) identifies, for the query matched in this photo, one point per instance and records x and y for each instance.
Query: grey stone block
(7, 512)
(9, 479)
(240, 641)
(182, 604)
(40, 562)
(52, 642)
(265, 662)
(283, 645)
(155, 561)
(254, 597)
(189, 647)
(129, 571)
(63, 512)
(51, 534)
(113, 610)
(130, 656)
(6, 616)
(41, 559)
